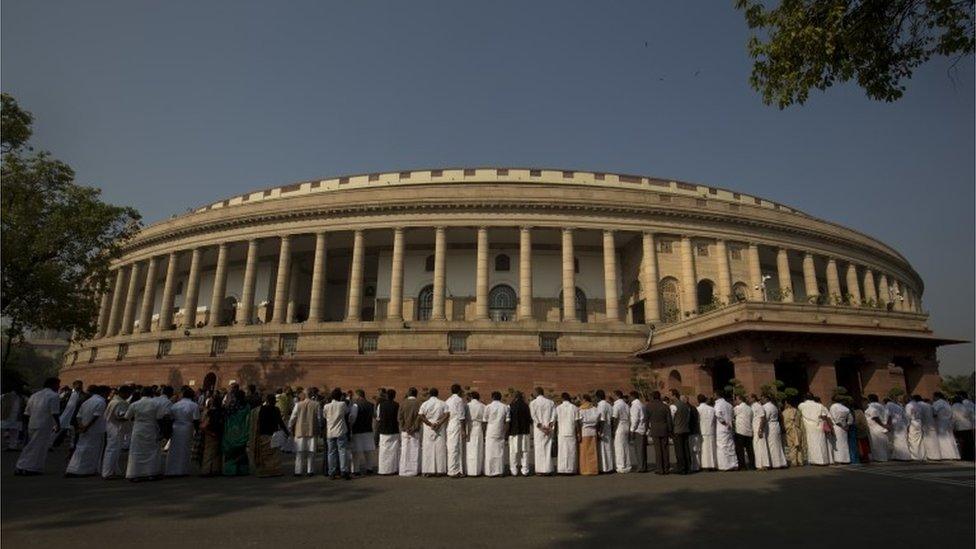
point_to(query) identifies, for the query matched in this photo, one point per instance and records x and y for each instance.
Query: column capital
(608, 232)
(567, 229)
(526, 228)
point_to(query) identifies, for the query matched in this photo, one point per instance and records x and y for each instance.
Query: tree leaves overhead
(801, 45)
(58, 238)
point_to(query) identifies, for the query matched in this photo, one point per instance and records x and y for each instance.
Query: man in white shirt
(70, 409)
(706, 426)
(43, 409)
(943, 427)
(116, 427)
(774, 434)
(743, 435)
(930, 438)
(760, 448)
(543, 412)
(962, 425)
(86, 458)
(475, 447)
(620, 413)
(897, 431)
(812, 416)
(843, 421)
(186, 421)
(638, 433)
(336, 432)
(567, 425)
(877, 417)
(496, 433)
(458, 411)
(724, 434)
(605, 435)
(433, 449)
(916, 431)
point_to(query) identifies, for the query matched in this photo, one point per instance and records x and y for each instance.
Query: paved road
(869, 506)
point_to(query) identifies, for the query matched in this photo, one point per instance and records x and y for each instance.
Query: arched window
(740, 292)
(580, 305)
(503, 263)
(501, 303)
(670, 300)
(429, 264)
(425, 302)
(706, 295)
(674, 380)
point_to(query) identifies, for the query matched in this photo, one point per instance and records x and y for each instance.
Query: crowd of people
(147, 433)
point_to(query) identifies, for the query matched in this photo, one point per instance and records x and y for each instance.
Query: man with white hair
(87, 457)
(496, 433)
(458, 409)
(543, 412)
(567, 424)
(433, 449)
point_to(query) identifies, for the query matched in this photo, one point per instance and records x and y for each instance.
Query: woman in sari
(267, 460)
(212, 428)
(590, 421)
(793, 434)
(237, 430)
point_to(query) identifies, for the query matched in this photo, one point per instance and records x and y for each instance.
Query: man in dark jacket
(659, 429)
(681, 433)
(520, 454)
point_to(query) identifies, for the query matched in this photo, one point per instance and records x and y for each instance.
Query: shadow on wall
(269, 370)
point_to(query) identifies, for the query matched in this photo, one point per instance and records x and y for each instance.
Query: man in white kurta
(930, 438)
(812, 416)
(475, 447)
(186, 419)
(638, 434)
(621, 432)
(433, 449)
(877, 417)
(724, 435)
(70, 410)
(604, 452)
(116, 429)
(496, 434)
(897, 431)
(87, 457)
(943, 428)
(760, 446)
(567, 416)
(913, 412)
(774, 434)
(42, 408)
(543, 412)
(455, 432)
(842, 420)
(706, 428)
(144, 450)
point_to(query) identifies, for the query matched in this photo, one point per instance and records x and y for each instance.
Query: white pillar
(192, 290)
(115, 312)
(870, 292)
(610, 277)
(481, 276)
(652, 308)
(783, 272)
(219, 286)
(853, 286)
(148, 296)
(437, 303)
(394, 311)
(810, 277)
(356, 277)
(103, 312)
(316, 300)
(724, 272)
(833, 281)
(884, 291)
(128, 314)
(569, 278)
(245, 310)
(689, 281)
(169, 285)
(755, 272)
(281, 283)
(525, 273)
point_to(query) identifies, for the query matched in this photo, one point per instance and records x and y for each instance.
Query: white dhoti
(930, 439)
(760, 448)
(725, 450)
(474, 450)
(494, 456)
(694, 446)
(455, 448)
(566, 459)
(11, 430)
(111, 460)
(604, 451)
(178, 456)
(707, 454)
(34, 454)
(87, 456)
(144, 454)
(363, 450)
(899, 442)
(433, 455)
(774, 438)
(840, 450)
(520, 454)
(409, 454)
(818, 451)
(304, 455)
(947, 441)
(621, 448)
(389, 454)
(916, 449)
(878, 437)
(542, 448)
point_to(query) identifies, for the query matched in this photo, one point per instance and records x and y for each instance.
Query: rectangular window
(735, 252)
(665, 246)
(501, 172)
(404, 175)
(218, 345)
(628, 179)
(701, 203)
(568, 175)
(369, 342)
(343, 180)
(123, 350)
(701, 249)
(535, 173)
(287, 344)
(599, 176)
(457, 342)
(664, 197)
(374, 177)
(436, 173)
(93, 354)
(165, 346)
(733, 207)
(548, 342)
(469, 173)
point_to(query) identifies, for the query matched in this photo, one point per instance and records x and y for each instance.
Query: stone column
(810, 277)
(884, 292)
(245, 309)
(292, 304)
(853, 286)
(103, 312)
(356, 277)
(755, 272)
(192, 290)
(116, 311)
(440, 245)
(525, 273)
(610, 277)
(724, 272)
(481, 276)
(652, 308)
(169, 285)
(689, 281)
(394, 310)
(899, 298)
(129, 313)
(833, 281)
(281, 283)
(569, 278)
(870, 293)
(219, 286)
(783, 272)
(316, 301)
(148, 296)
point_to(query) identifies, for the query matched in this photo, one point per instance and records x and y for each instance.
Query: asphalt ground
(879, 505)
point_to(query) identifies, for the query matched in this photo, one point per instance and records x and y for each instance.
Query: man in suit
(681, 431)
(659, 428)
(408, 421)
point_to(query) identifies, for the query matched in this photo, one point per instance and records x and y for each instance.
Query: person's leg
(341, 442)
(747, 444)
(334, 455)
(681, 454)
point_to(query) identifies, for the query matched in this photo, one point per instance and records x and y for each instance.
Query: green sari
(237, 429)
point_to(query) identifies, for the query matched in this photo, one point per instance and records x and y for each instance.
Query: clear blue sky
(167, 105)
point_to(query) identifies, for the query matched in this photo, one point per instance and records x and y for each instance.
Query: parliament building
(501, 278)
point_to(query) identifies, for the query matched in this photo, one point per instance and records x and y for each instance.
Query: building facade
(509, 278)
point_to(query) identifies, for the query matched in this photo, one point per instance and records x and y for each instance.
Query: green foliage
(58, 238)
(27, 367)
(800, 45)
(895, 393)
(645, 380)
(953, 384)
(840, 395)
(777, 391)
(736, 388)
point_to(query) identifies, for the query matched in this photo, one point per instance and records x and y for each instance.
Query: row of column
(117, 308)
